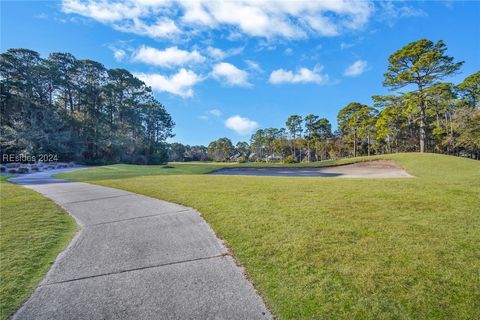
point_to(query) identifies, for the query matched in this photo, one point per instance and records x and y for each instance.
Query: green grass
(33, 231)
(325, 248)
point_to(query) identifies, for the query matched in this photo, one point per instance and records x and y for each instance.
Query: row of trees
(78, 110)
(179, 153)
(308, 138)
(428, 115)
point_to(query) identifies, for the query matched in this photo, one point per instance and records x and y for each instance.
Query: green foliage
(78, 110)
(356, 122)
(242, 160)
(423, 64)
(243, 149)
(289, 159)
(470, 89)
(221, 149)
(467, 123)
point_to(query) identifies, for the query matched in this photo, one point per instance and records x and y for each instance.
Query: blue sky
(226, 68)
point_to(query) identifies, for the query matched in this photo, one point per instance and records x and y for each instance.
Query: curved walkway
(136, 258)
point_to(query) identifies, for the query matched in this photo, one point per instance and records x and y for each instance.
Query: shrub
(242, 160)
(288, 159)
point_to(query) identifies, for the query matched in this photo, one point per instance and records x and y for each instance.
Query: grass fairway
(33, 231)
(324, 248)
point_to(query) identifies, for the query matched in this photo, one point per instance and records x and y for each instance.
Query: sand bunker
(369, 169)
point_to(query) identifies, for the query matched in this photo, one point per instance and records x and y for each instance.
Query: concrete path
(136, 258)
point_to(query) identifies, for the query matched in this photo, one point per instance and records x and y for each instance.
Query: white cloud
(169, 57)
(216, 53)
(241, 125)
(179, 84)
(252, 65)
(203, 117)
(219, 54)
(119, 54)
(215, 112)
(303, 75)
(346, 45)
(356, 68)
(391, 11)
(230, 75)
(127, 16)
(274, 18)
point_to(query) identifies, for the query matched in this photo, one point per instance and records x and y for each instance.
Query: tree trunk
(294, 150)
(422, 128)
(354, 144)
(368, 145)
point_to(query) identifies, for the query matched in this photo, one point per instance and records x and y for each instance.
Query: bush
(242, 160)
(288, 159)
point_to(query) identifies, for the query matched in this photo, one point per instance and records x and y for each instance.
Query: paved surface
(136, 258)
(362, 170)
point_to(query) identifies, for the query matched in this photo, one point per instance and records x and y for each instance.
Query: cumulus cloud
(170, 57)
(274, 18)
(127, 16)
(180, 83)
(241, 125)
(356, 68)
(230, 75)
(303, 75)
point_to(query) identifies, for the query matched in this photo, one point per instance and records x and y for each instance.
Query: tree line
(421, 114)
(78, 110)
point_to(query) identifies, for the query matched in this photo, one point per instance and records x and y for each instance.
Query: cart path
(136, 257)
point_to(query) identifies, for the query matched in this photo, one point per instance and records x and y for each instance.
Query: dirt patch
(382, 164)
(370, 169)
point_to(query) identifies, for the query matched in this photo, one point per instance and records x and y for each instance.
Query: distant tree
(310, 123)
(470, 90)
(391, 122)
(243, 148)
(356, 122)
(323, 132)
(421, 63)
(257, 144)
(466, 123)
(441, 103)
(176, 152)
(294, 126)
(221, 149)
(197, 153)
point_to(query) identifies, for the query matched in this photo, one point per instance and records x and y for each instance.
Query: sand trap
(370, 169)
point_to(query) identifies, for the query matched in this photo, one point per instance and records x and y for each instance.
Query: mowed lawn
(33, 232)
(327, 248)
